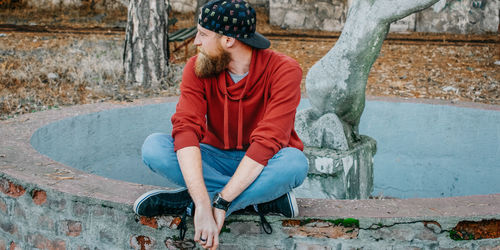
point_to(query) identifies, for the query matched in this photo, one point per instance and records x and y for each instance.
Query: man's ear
(229, 41)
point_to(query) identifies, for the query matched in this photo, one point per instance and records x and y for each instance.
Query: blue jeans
(285, 171)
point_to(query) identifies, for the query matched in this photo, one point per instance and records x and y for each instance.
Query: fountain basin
(45, 203)
(108, 144)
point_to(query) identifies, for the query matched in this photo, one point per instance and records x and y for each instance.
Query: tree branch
(392, 10)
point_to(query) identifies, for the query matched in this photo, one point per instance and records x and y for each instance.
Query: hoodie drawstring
(239, 146)
(239, 139)
(240, 126)
(226, 123)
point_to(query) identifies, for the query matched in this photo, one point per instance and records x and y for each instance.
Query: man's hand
(219, 216)
(206, 230)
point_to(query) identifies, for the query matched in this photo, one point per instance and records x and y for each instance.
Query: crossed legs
(285, 171)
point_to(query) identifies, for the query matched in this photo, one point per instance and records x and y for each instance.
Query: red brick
(71, 228)
(485, 229)
(9, 188)
(168, 221)
(3, 206)
(41, 242)
(4, 245)
(434, 226)
(150, 222)
(142, 242)
(13, 246)
(174, 224)
(39, 197)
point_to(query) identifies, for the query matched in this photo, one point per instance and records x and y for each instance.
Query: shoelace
(183, 225)
(263, 222)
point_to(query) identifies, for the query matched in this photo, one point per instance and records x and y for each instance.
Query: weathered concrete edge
(20, 163)
(461, 104)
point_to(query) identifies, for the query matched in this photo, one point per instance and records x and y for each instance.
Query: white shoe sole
(293, 204)
(146, 195)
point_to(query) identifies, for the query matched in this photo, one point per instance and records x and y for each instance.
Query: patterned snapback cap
(233, 18)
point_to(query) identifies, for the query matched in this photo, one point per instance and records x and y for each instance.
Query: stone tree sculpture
(336, 83)
(145, 56)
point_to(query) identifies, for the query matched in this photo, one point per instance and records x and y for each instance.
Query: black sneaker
(285, 205)
(160, 202)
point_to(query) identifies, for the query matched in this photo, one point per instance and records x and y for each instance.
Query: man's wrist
(203, 206)
(203, 203)
(225, 196)
(219, 202)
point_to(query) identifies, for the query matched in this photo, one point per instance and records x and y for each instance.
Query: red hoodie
(257, 114)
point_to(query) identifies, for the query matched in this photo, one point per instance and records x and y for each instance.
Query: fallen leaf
(64, 177)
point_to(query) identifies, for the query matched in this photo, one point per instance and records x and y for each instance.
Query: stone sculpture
(336, 83)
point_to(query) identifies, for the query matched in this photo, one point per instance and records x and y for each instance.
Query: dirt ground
(65, 59)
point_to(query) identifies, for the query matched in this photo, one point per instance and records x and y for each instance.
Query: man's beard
(210, 66)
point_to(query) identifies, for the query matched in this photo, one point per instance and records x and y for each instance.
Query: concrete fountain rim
(21, 164)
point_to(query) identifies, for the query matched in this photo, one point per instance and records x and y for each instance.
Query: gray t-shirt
(236, 78)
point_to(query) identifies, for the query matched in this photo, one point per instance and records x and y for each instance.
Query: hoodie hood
(238, 92)
(246, 86)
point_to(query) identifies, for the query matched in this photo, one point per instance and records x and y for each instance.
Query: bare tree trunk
(145, 57)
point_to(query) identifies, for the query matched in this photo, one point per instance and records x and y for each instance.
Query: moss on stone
(345, 222)
(225, 229)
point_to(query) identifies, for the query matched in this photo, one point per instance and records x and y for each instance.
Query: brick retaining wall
(43, 218)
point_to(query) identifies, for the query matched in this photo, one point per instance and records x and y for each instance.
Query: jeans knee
(154, 147)
(297, 163)
(302, 167)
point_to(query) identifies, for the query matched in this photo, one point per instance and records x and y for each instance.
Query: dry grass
(41, 72)
(84, 16)
(457, 73)
(49, 72)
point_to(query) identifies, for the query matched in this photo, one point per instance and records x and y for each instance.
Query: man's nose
(197, 41)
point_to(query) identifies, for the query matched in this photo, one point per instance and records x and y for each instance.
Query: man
(233, 142)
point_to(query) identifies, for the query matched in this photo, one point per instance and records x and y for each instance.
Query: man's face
(212, 58)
